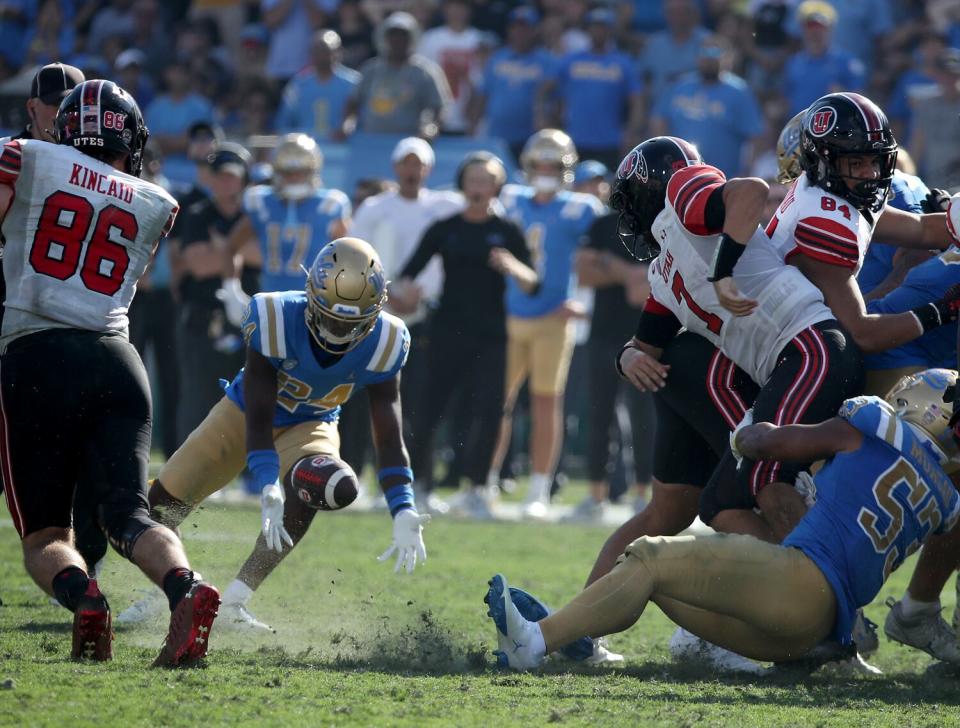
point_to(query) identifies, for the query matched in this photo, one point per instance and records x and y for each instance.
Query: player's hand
(731, 298)
(271, 514)
(936, 201)
(407, 540)
(744, 423)
(234, 300)
(404, 296)
(501, 260)
(643, 371)
(571, 309)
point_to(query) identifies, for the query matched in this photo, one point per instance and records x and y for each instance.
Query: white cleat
(928, 632)
(515, 634)
(473, 503)
(151, 607)
(536, 510)
(687, 648)
(587, 511)
(235, 616)
(602, 655)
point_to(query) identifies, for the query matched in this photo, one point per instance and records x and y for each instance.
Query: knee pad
(124, 522)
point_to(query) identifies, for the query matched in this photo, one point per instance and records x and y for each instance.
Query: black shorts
(705, 397)
(75, 407)
(815, 373)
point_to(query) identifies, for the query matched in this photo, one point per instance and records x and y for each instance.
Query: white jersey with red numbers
(821, 225)
(787, 302)
(79, 234)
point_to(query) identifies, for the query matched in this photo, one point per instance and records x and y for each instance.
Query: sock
(237, 593)
(539, 487)
(176, 584)
(910, 607)
(70, 585)
(493, 477)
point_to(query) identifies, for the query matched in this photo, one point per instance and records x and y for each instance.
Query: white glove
(407, 539)
(953, 218)
(271, 514)
(805, 486)
(745, 422)
(234, 300)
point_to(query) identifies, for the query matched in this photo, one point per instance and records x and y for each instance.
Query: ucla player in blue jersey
(308, 352)
(540, 332)
(882, 494)
(290, 220)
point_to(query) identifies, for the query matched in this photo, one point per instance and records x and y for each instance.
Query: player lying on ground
(64, 341)
(307, 353)
(881, 494)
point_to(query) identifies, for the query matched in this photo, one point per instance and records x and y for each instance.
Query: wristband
(725, 257)
(628, 345)
(264, 465)
(399, 498)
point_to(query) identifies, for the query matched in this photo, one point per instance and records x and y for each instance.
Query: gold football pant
(539, 349)
(216, 452)
(763, 601)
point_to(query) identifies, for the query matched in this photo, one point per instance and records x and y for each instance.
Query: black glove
(936, 201)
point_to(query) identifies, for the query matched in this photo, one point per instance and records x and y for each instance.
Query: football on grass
(324, 482)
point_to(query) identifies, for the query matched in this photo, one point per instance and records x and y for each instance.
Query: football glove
(953, 217)
(271, 514)
(407, 540)
(234, 301)
(745, 422)
(936, 201)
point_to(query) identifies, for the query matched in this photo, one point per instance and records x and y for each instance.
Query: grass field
(358, 645)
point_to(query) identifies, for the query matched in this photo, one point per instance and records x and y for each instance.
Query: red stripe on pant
(9, 489)
(726, 408)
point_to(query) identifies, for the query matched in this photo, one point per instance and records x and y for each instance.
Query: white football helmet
(925, 399)
(346, 290)
(297, 162)
(549, 146)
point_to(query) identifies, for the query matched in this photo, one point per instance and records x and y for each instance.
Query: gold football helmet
(553, 146)
(346, 290)
(925, 399)
(788, 150)
(296, 162)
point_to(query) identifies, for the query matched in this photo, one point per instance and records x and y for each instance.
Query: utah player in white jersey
(80, 228)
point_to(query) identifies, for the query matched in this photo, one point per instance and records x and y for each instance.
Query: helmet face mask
(640, 192)
(548, 160)
(839, 126)
(925, 400)
(346, 290)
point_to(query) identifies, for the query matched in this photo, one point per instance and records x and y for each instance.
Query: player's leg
(486, 381)
(643, 427)
(518, 369)
(292, 443)
(550, 355)
(603, 385)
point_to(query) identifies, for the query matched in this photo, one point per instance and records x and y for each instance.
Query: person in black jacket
(467, 356)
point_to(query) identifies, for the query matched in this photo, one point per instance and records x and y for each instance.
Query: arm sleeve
(428, 247)
(828, 241)
(10, 160)
(657, 325)
(688, 192)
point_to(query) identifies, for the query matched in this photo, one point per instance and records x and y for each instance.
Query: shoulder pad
(873, 416)
(393, 344)
(264, 328)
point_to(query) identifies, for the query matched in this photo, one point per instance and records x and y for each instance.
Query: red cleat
(92, 635)
(189, 633)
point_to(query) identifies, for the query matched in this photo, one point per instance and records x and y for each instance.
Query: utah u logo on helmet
(346, 290)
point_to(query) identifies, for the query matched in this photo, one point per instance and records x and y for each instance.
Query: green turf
(358, 645)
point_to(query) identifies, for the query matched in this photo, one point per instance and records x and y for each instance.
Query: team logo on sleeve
(822, 121)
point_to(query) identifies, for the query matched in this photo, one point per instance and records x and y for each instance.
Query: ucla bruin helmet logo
(822, 121)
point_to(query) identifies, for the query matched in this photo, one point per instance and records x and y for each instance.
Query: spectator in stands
(621, 288)
(467, 354)
(399, 92)
(115, 19)
(591, 177)
(819, 67)
(291, 24)
(149, 36)
(505, 101)
(170, 116)
(130, 76)
(597, 89)
(394, 222)
(255, 109)
(916, 82)
(314, 100)
(861, 27)
(671, 53)
(936, 127)
(713, 109)
(355, 31)
(768, 46)
(51, 37)
(209, 347)
(453, 46)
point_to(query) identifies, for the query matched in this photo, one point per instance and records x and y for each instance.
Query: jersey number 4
(65, 221)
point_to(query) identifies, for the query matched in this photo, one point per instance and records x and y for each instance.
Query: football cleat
(591, 652)
(865, 634)
(928, 632)
(236, 616)
(514, 633)
(687, 648)
(92, 633)
(150, 608)
(829, 656)
(587, 511)
(189, 634)
(472, 503)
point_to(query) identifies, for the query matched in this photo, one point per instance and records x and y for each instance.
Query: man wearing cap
(597, 88)
(49, 87)
(393, 222)
(399, 92)
(935, 124)
(314, 99)
(819, 68)
(504, 102)
(713, 109)
(129, 68)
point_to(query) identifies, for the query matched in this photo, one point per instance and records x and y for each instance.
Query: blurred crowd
(217, 78)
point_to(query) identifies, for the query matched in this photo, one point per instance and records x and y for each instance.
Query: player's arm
(872, 332)
(743, 201)
(798, 443)
(6, 199)
(240, 234)
(910, 230)
(904, 260)
(638, 361)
